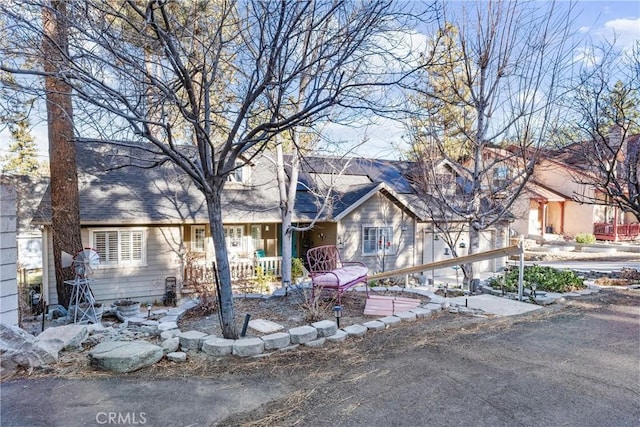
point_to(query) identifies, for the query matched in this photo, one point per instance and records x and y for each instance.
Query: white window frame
(238, 173)
(113, 253)
(198, 245)
(381, 239)
(235, 244)
(256, 237)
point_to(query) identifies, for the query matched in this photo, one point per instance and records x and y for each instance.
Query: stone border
(314, 335)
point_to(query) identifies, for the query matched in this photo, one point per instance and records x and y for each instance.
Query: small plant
(297, 268)
(585, 238)
(263, 278)
(546, 279)
(313, 306)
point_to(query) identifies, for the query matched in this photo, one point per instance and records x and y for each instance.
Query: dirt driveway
(575, 364)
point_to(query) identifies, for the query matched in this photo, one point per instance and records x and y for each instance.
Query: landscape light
(338, 311)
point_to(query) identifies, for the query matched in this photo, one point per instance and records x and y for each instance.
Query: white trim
(194, 248)
(119, 263)
(45, 264)
(377, 252)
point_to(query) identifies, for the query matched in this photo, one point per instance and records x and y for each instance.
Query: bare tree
(602, 137)
(213, 83)
(502, 64)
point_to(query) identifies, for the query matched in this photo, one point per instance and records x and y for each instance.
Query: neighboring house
(9, 315)
(29, 239)
(151, 224)
(558, 202)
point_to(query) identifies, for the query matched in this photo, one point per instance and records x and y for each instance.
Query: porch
(245, 273)
(616, 232)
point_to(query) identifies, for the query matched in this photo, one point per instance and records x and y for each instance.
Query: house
(151, 224)
(559, 202)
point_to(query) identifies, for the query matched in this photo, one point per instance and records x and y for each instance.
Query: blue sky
(596, 20)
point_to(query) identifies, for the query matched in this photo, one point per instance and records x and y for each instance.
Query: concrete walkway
(495, 305)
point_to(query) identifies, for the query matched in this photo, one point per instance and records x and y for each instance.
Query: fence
(608, 231)
(241, 270)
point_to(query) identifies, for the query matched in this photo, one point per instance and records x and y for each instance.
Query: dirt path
(573, 364)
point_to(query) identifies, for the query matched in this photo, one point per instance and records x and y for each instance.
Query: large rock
(170, 345)
(71, 336)
(124, 356)
(19, 348)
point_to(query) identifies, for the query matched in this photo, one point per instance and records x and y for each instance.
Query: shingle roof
(112, 191)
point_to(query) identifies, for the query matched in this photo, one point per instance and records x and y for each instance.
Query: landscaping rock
(390, 320)
(303, 334)
(170, 345)
(248, 347)
(170, 333)
(356, 330)
(276, 341)
(422, 313)
(18, 348)
(167, 326)
(177, 312)
(265, 326)
(339, 336)
(375, 325)
(325, 328)
(191, 340)
(319, 342)
(406, 316)
(124, 356)
(178, 356)
(71, 336)
(216, 346)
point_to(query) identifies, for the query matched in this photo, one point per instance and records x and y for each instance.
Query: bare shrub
(199, 278)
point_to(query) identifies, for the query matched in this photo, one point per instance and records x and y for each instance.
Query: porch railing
(607, 231)
(241, 270)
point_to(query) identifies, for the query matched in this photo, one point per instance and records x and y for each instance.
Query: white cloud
(625, 30)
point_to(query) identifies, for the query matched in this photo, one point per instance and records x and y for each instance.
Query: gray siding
(379, 211)
(8, 256)
(145, 283)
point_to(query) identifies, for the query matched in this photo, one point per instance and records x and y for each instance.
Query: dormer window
(238, 174)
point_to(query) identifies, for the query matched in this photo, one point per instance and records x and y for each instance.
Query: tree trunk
(65, 214)
(474, 248)
(222, 260)
(287, 189)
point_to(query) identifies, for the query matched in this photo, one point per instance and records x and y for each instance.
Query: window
(237, 175)
(375, 240)
(500, 177)
(256, 236)
(198, 238)
(120, 247)
(233, 235)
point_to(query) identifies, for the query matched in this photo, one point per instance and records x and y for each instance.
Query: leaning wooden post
(521, 269)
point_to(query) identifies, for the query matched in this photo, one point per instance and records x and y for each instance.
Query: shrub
(547, 279)
(297, 268)
(585, 238)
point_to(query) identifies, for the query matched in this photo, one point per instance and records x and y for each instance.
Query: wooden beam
(468, 259)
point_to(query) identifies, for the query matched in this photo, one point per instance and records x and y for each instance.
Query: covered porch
(616, 232)
(615, 226)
